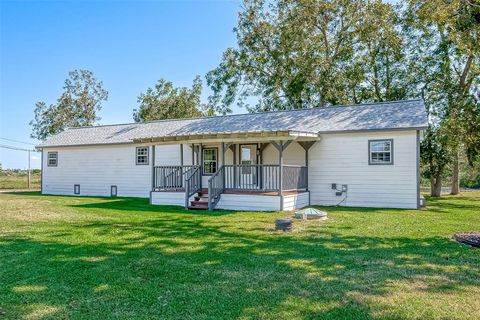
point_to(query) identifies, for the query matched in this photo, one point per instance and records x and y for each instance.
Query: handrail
(216, 186)
(193, 183)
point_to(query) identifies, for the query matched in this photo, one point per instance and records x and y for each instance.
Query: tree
(311, 53)
(435, 156)
(457, 24)
(76, 107)
(381, 53)
(290, 55)
(164, 101)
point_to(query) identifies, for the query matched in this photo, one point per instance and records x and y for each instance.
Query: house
(362, 155)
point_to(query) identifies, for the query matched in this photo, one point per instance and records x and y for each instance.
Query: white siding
(169, 155)
(294, 155)
(95, 169)
(343, 159)
(295, 201)
(248, 202)
(168, 198)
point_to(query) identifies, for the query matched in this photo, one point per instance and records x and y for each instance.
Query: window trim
(147, 155)
(203, 160)
(75, 189)
(56, 158)
(370, 153)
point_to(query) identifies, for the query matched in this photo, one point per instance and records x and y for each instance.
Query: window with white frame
(141, 155)
(209, 160)
(52, 159)
(380, 151)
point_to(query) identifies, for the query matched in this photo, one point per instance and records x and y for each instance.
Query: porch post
(223, 153)
(182, 181)
(234, 150)
(280, 173)
(200, 158)
(153, 167)
(181, 154)
(193, 154)
(306, 165)
(223, 163)
(306, 145)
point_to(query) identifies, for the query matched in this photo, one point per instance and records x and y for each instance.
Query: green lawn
(103, 258)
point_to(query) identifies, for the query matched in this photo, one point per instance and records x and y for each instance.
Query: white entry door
(248, 171)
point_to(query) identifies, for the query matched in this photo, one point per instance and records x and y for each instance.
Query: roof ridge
(244, 114)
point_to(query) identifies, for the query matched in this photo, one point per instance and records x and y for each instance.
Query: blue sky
(129, 45)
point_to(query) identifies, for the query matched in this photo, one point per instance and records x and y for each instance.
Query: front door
(248, 171)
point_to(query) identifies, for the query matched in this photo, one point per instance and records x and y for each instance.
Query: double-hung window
(380, 151)
(141, 155)
(209, 160)
(52, 159)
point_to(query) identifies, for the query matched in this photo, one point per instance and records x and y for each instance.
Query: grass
(19, 180)
(104, 258)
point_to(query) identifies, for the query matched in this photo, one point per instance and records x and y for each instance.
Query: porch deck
(233, 187)
(243, 192)
(245, 176)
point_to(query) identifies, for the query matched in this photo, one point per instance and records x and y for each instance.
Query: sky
(128, 45)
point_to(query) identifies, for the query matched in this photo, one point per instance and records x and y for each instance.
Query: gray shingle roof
(377, 116)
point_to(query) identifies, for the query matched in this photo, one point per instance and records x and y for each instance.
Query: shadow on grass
(172, 267)
(125, 204)
(139, 204)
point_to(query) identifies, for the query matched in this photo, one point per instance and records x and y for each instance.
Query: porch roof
(397, 115)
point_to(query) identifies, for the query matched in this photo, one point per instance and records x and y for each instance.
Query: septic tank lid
(310, 213)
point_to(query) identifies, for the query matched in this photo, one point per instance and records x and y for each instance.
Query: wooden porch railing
(257, 177)
(295, 177)
(193, 183)
(216, 186)
(171, 178)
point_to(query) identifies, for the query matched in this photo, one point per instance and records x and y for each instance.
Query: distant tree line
(316, 53)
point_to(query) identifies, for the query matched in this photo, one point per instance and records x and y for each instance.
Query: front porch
(235, 176)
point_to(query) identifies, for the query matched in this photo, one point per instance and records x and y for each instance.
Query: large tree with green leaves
(453, 61)
(77, 106)
(311, 53)
(164, 101)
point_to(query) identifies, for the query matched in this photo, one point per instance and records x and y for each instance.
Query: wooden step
(197, 198)
(199, 203)
(198, 207)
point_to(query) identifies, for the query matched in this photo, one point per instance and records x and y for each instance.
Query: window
(380, 151)
(209, 160)
(142, 155)
(52, 159)
(76, 189)
(247, 157)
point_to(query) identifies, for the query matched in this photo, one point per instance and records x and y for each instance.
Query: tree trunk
(456, 175)
(436, 186)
